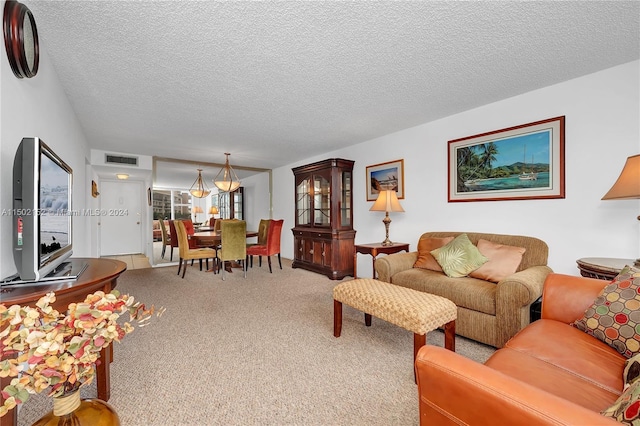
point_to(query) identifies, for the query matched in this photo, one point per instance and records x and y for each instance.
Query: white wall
(602, 113)
(38, 107)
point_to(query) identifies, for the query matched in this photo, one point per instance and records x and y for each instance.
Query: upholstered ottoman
(410, 309)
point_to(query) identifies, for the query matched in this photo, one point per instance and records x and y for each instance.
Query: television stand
(100, 274)
(66, 271)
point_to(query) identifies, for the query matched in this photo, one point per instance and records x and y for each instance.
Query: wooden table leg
(419, 340)
(103, 379)
(337, 318)
(450, 336)
(367, 319)
(355, 264)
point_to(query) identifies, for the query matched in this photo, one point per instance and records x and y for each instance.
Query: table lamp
(627, 187)
(196, 210)
(387, 202)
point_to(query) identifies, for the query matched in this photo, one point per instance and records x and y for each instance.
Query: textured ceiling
(277, 82)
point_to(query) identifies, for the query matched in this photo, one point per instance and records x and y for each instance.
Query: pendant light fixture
(226, 180)
(199, 188)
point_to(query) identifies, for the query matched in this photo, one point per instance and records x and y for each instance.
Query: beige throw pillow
(459, 257)
(425, 259)
(503, 261)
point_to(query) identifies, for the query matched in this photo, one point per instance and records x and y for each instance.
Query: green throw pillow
(626, 409)
(614, 317)
(459, 257)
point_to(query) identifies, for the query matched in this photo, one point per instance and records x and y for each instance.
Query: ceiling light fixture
(199, 188)
(122, 176)
(229, 180)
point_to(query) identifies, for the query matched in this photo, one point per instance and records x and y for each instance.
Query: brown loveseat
(488, 312)
(550, 373)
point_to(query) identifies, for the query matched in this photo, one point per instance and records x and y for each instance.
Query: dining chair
(166, 240)
(263, 228)
(272, 245)
(233, 242)
(187, 252)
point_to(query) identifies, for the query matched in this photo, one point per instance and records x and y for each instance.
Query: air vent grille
(121, 159)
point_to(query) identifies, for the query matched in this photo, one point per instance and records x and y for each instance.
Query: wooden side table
(374, 249)
(602, 268)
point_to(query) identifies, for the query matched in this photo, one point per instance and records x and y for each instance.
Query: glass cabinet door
(321, 201)
(345, 195)
(303, 202)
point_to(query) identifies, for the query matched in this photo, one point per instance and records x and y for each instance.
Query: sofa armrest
(566, 297)
(514, 296)
(388, 266)
(524, 287)
(455, 390)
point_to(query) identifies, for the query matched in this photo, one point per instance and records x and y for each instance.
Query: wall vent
(120, 159)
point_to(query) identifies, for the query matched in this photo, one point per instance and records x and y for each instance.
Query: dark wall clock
(21, 39)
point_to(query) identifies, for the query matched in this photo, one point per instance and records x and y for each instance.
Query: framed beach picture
(516, 163)
(383, 176)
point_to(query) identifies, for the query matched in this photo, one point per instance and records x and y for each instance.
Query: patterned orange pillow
(425, 258)
(503, 261)
(614, 316)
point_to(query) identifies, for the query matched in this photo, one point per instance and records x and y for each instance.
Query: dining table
(212, 239)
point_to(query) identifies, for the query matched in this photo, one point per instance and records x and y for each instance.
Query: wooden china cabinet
(323, 234)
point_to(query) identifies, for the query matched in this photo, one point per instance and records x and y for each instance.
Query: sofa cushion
(459, 257)
(503, 261)
(626, 409)
(614, 317)
(471, 293)
(425, 258)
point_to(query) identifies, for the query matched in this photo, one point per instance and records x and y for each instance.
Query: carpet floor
(257, 351)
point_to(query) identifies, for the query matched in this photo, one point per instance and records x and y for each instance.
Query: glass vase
(70, 410)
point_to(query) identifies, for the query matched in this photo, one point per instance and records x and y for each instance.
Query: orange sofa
(550, 373)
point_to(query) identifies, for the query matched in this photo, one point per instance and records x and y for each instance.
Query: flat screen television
(42, 231)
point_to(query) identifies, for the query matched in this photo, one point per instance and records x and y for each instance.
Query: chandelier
(226, 180)
(199, 188)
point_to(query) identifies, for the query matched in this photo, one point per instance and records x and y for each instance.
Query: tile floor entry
(133, 261)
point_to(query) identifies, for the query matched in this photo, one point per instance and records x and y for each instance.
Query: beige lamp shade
(198, 209)
(213, 210)
(627, 186)
(387, 201)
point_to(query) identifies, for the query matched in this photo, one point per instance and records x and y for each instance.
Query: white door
(120, 218)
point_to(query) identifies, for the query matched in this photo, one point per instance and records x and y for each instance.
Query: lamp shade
(627, 186)
(198, 209)
(213, 210)
(387, 201)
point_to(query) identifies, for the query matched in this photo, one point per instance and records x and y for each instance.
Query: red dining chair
(272, 245)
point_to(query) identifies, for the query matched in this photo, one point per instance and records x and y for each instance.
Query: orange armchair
(272, 245)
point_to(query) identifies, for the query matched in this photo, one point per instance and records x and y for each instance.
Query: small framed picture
(383, 176)
(516, 163)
